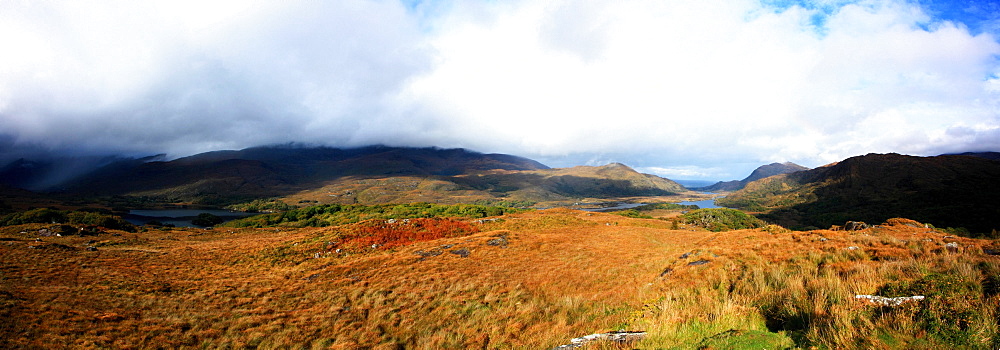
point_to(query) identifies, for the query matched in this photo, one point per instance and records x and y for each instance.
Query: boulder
(855, 226)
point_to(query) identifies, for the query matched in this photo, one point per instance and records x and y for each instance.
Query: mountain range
(367, 175)
(948, 190)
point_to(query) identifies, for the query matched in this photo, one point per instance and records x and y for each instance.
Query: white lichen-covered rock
(886, 301)
(617, 337)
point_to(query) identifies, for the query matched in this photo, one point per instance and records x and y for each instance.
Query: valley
(431, 249)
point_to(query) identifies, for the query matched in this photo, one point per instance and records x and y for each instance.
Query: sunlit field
(530, 280)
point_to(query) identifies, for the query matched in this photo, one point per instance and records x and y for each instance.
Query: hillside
(757, 174)
(230, 176)
(369, 175)
(987, 155)
(608, 181)
(947, 191)
(560, 186)
(531, 280)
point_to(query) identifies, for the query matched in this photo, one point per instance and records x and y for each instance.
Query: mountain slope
(987, 155)
(608, 181)
(560, 186)
(226, 176)
(955, 191)
(757, 174)
(368, 175)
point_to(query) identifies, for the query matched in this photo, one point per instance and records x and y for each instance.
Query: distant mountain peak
(761, 172)
(773, 169)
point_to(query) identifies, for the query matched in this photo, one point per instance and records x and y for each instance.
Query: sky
(685, 89)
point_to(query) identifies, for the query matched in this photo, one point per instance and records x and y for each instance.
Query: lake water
(705, 204)
(179, 217)
(618, 206)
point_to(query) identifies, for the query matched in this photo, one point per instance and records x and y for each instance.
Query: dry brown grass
(529, 281)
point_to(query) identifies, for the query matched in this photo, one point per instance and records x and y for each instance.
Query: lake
(707, 203)
(179, 217)
(704, 204)
(617, 206)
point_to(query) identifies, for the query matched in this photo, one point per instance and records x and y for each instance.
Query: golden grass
(530, 281)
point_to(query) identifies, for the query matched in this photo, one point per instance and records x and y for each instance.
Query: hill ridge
(760, 172)
(947, 190)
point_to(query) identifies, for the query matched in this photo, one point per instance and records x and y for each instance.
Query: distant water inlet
(179, 217)
(703, 204)
(706, 203)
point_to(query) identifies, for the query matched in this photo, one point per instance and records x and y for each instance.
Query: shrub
(632, 213)
(721, 219)
(53, 216)
(263, 205)
(337, 214)
(207, 219)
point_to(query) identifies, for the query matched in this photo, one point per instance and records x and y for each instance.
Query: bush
(263, 205)
(98, 219)
(35, 216)
(206, 220)
(632, 213)
(53, 216)
(721, 219)
(337, 214)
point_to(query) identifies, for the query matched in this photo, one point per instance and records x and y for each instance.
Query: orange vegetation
(528, 281)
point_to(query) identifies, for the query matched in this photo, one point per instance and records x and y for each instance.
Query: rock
(852, 248)
(953, 246)
(91, 248)
(666, 271)
(855, 226)
(461, 252)
(886, 301)
(500, 241)
(619, 337)
(699, 262)
(426, 254)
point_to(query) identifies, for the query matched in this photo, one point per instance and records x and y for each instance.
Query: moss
(746, 339)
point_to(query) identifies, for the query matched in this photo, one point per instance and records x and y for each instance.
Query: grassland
(525, 280)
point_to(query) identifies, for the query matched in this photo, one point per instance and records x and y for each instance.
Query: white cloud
(712, 76)
(685, 172)
(675, 85)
